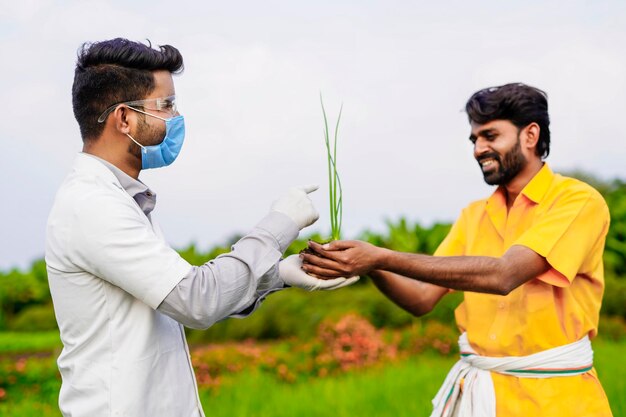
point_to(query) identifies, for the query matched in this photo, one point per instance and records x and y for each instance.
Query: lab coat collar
(89, 164)
(143, 196)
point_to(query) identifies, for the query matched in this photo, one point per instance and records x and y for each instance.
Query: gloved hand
(290, 272)
(298, 206)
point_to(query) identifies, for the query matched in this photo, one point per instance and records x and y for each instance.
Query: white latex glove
(298, 206)
(290, 272)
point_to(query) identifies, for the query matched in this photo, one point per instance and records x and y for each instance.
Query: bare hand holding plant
(290, 271)
(342, 258)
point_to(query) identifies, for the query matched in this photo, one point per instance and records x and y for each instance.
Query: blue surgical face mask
(163, 154)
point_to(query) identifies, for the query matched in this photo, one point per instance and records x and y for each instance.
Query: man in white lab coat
(121, 294)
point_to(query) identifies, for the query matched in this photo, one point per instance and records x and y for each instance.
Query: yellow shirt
(565, 221)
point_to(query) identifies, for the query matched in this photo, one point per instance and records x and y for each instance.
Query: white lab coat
(109, 268)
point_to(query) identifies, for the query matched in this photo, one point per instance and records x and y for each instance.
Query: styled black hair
(518, 103)
(115, 71)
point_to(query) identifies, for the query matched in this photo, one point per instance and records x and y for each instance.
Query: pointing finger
(308, 188)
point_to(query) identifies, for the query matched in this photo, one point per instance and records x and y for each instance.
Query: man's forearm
(416, 297)
(467, 273)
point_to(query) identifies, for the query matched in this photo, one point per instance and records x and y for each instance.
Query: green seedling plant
(334, 182)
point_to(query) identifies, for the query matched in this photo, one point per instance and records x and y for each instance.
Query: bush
(351, 342)
(612, 328)
(19, 290)
(34, 318)
(26, 377)
(614, 300)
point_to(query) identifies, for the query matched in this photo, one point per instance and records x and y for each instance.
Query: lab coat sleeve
(233, 284)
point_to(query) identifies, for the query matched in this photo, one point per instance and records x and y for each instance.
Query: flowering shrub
(34, 375)
(349, 343)
(212, 361)
(352, 342)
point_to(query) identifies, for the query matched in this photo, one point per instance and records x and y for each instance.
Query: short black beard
(134, 150)
(149, 135)
(146, 135)
(512, 164)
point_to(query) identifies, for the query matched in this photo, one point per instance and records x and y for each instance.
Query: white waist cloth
(479, 397)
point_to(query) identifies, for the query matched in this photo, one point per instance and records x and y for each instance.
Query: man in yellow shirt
(529, 260)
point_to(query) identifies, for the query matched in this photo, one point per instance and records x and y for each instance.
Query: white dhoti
(479, 399)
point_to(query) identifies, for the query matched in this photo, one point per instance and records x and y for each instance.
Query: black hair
(115, 71)
(518, 103)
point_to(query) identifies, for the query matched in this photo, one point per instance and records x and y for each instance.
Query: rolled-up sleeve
(235, 283)
(566, 234)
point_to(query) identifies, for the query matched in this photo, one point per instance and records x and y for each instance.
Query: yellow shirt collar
(539, 184)
(534, 190)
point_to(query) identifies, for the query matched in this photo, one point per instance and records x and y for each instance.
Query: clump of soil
(308, 249)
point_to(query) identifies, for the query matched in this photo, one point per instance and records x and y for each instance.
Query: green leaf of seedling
(335, 192)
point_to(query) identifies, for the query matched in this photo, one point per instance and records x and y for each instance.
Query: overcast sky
(250, 95)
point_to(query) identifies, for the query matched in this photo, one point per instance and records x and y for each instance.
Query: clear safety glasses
(165, 104)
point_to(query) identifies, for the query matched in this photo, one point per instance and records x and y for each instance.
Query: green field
(400, 388)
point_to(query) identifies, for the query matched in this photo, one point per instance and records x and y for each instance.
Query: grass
(404, 388)
(400, 389)
(30, 409)
(611, 370)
